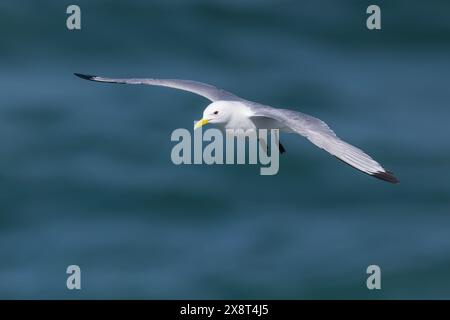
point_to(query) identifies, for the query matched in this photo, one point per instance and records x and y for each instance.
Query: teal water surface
(86, 176)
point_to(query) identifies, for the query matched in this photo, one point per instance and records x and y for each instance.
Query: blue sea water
(86, 176)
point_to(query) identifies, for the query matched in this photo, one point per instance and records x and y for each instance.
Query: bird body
(228, 111)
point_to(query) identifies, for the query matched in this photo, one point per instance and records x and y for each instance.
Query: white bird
(232, 112)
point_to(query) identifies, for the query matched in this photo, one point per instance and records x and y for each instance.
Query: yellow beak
(200, 123)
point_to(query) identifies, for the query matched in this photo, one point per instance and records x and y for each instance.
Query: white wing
(208, 91)
(318, 132)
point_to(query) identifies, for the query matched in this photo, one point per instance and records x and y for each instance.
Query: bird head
(217, 112)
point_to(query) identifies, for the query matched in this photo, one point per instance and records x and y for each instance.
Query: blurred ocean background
(86, 176)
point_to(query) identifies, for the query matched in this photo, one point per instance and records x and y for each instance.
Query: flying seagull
(232, 112)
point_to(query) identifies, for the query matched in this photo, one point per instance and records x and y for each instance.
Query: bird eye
(216, 112)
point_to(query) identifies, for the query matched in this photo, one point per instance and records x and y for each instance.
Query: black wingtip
(85, 76)
(386, 176)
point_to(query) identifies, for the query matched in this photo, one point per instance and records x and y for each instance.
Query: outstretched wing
(208, 91)
(318, 132)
